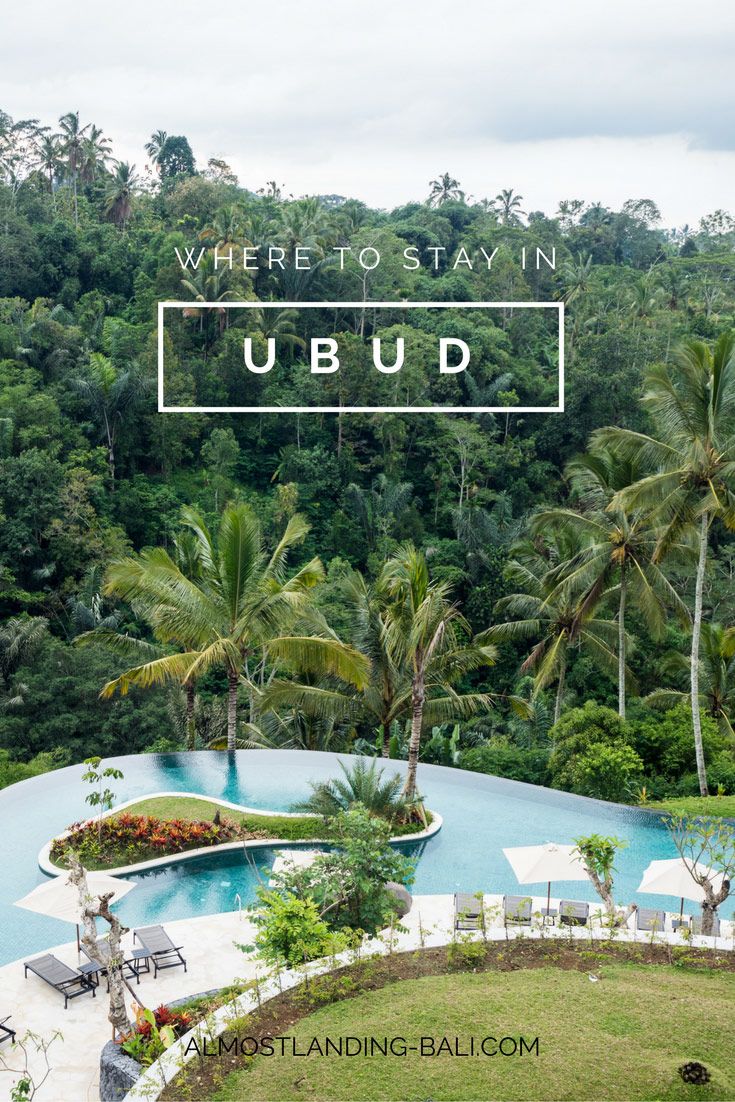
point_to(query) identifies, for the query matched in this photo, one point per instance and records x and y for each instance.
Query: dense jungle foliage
(504, 522)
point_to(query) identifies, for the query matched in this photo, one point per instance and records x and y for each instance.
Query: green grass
(620, 1038)
(292, 828)
(715, 806)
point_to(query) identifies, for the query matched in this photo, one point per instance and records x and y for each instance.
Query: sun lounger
(6, 1031)
(517, 909)
(650, 920)
(697, 926)
(67, 981)
(131, 966)
(467, 912)
(572, 913)
(159, 948)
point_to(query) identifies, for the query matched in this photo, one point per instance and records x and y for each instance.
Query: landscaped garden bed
(596, 1009)
(163, 826)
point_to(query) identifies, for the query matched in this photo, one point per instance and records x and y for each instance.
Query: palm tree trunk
(417, 716)
(621, 646)
(694, 667)
(385, 750)
(190, 730)
(559, 694)
(232, 680)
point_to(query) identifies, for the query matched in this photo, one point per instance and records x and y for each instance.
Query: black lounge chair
(517, 910)
(572, 913)
(6, 1031)
(696, 927)
(131, 966)
(159, 948)
(650, 920)
(467, 912)
(67, 981)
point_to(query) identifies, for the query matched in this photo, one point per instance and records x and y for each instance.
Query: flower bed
(126, 838)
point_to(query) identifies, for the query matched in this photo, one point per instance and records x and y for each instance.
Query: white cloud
(557, 99)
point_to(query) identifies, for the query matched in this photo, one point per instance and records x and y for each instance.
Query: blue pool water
(481, 815)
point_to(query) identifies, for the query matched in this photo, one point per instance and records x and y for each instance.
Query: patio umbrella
(57, 898)
(542, 864)
(673, 877)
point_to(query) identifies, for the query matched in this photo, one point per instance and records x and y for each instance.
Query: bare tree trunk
(621, 646)
(417, 715)
(694, 667)
(112, 960)
(559, 694)
(232, 680)
(190, 728)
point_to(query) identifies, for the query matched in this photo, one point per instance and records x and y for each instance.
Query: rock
(118, 1073)
(402, 897)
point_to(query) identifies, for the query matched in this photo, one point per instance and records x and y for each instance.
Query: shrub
(574, 736)
(361, 783)
(666, 745)
(502, 759)
(291, 930)
(606, 771)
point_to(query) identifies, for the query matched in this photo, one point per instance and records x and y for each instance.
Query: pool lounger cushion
(572, 913)
(67, 981)
(160, 948)
(467, 911)
(650, 920)
(517, 908)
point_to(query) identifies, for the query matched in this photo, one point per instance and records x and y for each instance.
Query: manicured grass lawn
(291, 827)
(699, 805)
(622, 1037)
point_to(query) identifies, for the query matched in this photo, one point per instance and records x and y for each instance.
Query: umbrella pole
(681, 912)
(79, 944)
(548, 898)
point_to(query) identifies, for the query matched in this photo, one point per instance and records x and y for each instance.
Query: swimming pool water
(481, 815)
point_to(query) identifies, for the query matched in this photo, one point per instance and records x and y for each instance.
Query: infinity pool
(481, 815)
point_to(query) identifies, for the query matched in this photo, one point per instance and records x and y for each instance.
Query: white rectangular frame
(558, 306)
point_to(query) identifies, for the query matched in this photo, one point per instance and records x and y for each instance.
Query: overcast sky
(594, 99)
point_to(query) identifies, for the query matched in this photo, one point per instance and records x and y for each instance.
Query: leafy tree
(707, 847)
(598, 853)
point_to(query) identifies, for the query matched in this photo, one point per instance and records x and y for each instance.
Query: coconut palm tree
(72, 137)
(509, 207)
(427, 635)
(111, 393)
(617, 548)
(241, 605)
(716, 677)
(119, 190)
(49, 161)
(118, 193)
(691, 452)
(155, 147)
(444, 189)
(551, 614)
(96, 155)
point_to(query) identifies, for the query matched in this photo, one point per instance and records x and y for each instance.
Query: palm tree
(444, 189)
(119, 190)
(96, 154)
(49, 160)
(237, 609)
(576, 277)
(509, 204)
(692, 405)
(155, 147)
(427, 635)
(110, 393)
(617, 549)
(551, 614)
(362, 783)
(72, 138)
(717, 677)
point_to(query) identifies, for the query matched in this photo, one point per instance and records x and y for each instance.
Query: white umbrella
(674, 877)
(58, 898)
(542, 864)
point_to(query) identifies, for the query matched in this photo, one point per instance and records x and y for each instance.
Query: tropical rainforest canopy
(563, 550)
